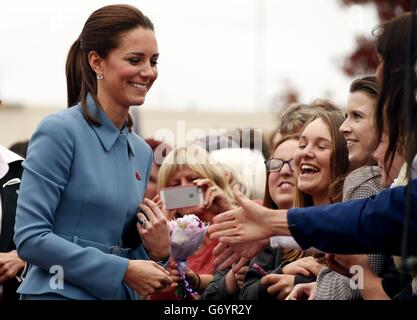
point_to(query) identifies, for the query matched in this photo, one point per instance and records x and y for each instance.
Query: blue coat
(372, 225)
(80, 188)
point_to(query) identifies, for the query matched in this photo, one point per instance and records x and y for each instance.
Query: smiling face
(313, 161)
(282, 183)
(359, 129)
(129, 70)
(379, 155)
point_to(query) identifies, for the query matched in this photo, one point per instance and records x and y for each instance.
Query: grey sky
(215, 55)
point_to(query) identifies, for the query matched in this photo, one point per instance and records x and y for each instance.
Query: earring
(99, 76)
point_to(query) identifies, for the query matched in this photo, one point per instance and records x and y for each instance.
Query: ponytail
(74, 73)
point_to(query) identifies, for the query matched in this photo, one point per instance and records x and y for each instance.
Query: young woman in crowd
(319, 161)
(361, 138)
(368, 225)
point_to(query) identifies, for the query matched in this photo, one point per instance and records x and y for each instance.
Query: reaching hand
(303, 291)
(240, 275)
(305, 266)
(229, 254)
(278, 284)
(247, 223)
(190, 275)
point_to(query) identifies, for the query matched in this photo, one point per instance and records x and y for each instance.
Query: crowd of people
(289, 220)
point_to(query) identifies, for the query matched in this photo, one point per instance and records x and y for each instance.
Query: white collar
(6, 157)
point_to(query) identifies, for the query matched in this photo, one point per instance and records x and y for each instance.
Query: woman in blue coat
(86, 173)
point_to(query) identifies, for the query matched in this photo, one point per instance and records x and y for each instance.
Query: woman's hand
(237, 254)
(146, 277)
(154, 230)
(303, 291)
(343, 263)
(159, 203)
(240, 276)
(215, 199)
(305, 266)
(190, 276)
(279, 284)
(10, 265)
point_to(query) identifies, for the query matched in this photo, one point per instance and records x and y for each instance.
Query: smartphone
(182, 197)
(259, 269)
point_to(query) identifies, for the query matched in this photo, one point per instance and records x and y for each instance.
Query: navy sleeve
(372, 225)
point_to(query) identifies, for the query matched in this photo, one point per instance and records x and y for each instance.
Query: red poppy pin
(137, 175)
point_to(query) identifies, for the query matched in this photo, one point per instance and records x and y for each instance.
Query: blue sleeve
(46, 173)
(372, 225)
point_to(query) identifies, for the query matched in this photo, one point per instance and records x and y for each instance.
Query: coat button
(137, 175)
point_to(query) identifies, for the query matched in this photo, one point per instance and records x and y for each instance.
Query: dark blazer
(372, 225)
(8, 202)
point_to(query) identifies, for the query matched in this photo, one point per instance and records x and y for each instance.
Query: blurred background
(223, 63)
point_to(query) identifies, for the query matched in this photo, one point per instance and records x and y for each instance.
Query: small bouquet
(187, 235)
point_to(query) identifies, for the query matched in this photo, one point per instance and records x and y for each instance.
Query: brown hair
(339, 162)
(294, 117)
(339, 170)
(369, 86)
(366, 84)
(392, 40)
(101, 33)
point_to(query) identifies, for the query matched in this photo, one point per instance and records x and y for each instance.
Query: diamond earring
(99, 76)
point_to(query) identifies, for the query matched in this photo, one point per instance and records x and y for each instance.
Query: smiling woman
(359, 127)
(321, 161)
(86, 172)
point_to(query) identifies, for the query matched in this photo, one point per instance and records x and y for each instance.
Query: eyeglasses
(276, 164)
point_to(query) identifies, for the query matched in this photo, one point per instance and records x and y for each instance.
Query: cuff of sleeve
(294, 225)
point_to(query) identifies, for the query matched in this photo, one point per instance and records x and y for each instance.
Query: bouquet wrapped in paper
(187, 235)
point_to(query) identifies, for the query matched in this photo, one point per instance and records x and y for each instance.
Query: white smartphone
(182, 197)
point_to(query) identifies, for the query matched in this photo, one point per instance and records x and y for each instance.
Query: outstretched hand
(303, 291)
(247, 223)
(238, 254)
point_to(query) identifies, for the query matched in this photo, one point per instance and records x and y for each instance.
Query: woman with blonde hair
(186, 166)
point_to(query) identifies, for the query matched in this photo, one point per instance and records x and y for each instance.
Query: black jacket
(8, 202)
(271, 261)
